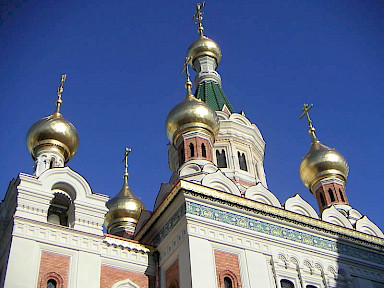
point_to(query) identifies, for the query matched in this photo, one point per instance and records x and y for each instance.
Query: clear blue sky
(123, 60)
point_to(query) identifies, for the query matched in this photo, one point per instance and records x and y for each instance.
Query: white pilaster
(203, 272)
(88, 264)
(257, 270)
(23, 264)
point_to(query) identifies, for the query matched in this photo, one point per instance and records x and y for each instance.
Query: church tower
(239, 147)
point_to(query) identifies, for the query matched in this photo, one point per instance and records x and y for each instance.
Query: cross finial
(59, 91)
(125, 159)
(198, 17)
(188, 83)
(311, 130)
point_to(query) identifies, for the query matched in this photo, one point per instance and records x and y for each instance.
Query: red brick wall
(227, 265)
(172, 275)
(335, 189)
(53, 266)
(110, 276)
(196, 141)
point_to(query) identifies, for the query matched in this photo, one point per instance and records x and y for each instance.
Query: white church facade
(214, 224)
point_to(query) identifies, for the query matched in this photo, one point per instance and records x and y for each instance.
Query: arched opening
(52, 163)
(341, 195)
(51, 283)
(310, 286)
(242, 161)
(221, 159)
(191, 150)
(322, 199)
(286, 284)
(331, 195)
(228, 282)
(58, 211)
(203, 150)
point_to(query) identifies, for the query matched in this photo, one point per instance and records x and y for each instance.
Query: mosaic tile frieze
(281, 232)
(171, 223)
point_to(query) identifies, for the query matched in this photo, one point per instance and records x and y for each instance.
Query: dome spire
(198, 18)
(125, 159)
(311, 129)
(59, 92)
(188, 83)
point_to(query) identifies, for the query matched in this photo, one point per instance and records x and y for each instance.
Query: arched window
(242, 161)
(51, 283)
(341, 195)
(286, 284)
(203, 150)
(228, 282)
(58, 211)
(322, 199)
(52, 163)
(331, 195)
(221, 159)
(192, 150)
(310, 286)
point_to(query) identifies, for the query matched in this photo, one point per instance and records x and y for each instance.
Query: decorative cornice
(275, 212)
(275, 230)
(171, 223)
(127, 244)
(160, 209)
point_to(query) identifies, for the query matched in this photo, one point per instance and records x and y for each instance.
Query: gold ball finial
(54, 132)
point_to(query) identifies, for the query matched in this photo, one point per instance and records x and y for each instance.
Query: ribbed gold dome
(204, 46)
(189, 115)
(322, 162)
(124, 207)
(54, 132)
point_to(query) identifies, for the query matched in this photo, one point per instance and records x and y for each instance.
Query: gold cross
(125, 159)
(306, 109)
(59, 91)
(187, 61)
(198, 17)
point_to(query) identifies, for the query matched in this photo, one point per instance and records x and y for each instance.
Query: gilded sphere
(204, 46)
(322, 162)
(124, 207)
(189, 115)
(55, 132)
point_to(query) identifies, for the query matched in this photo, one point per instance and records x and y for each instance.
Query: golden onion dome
(124, 207)
(322, 162)
(204, 46)
(54, 132)
(190, 115)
